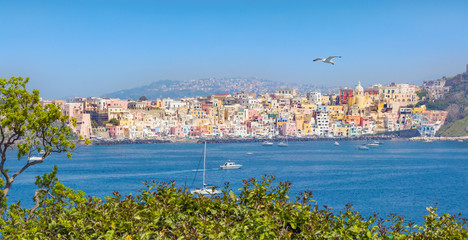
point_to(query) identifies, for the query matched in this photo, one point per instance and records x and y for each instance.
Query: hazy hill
(208, 86)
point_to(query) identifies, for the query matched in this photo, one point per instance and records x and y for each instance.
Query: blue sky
(88, 48)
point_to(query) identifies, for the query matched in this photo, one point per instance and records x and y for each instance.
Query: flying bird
(327, 60)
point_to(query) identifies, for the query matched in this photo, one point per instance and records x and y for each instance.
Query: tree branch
(38, 203)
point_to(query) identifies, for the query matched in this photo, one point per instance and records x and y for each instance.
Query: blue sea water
(399, 177)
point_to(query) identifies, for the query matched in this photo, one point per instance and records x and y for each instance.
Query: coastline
(464, 138)
(238, 140)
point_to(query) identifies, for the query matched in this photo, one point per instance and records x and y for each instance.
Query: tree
(30, 128)
(143, 98)
(94, 124)
(114, 122)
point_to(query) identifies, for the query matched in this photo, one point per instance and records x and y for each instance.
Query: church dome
(359, 90)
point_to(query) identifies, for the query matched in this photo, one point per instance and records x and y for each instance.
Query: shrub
(262, 210)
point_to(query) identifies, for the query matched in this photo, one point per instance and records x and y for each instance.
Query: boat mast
(204, 159)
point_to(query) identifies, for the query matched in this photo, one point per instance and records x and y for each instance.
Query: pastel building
(177, 131)
(115, 131)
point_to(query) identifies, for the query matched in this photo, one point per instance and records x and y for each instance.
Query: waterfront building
(115, 131)
(322, 123)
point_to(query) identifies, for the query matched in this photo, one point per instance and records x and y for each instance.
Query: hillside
(456, 103)
(208, 86)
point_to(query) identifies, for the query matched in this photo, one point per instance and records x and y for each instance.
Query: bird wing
(331, 57)
(318, 59)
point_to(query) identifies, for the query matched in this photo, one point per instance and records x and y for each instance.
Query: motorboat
(267, 143)
(282, 144)
(337, 144)
(207, 190)
(230, 165)
(363, 147)
(373, 144)
(378, 142)
(249, 153)
(460, 140)
(34, 159)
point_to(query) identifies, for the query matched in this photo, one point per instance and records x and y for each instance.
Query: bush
(262, 210)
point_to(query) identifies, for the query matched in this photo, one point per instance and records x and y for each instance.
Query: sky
(89, 48)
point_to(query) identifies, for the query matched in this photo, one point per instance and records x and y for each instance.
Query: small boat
(378, 142)
(249, 153)
(34, 159)
(460, 140)
(427, 140)
(267, 143)
(363, 147)
(337, 144)
(207, 190)
(282, 144)
(230, 165)
(372, 144)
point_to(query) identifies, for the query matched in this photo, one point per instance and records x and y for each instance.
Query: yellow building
(419, 110)
(342, 131)
(127, 123)
(337, 116)
(310, 106)
(300, 118)
(335, 109)
(209, 128)
(359, 98)
(307, 129)
(199, 114)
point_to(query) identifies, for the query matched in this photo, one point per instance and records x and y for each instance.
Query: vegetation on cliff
(455, 102)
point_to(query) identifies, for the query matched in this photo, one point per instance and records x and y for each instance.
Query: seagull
(327, 60)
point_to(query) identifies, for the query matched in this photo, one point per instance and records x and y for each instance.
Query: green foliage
(94, 124)
(29, 127)
(114, 122)
(454, 129)
(421, 94)
(262, 210)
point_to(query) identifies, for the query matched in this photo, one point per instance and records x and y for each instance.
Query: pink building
(115, 131)
(177, 131)
(289, 129)
(83, 120)
(434, 116)
(83, 125)
(195, 131)
(118, 104)
(365, 122)
(253, 114)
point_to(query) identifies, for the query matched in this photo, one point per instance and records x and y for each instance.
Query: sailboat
(283, 144)
(206, 190)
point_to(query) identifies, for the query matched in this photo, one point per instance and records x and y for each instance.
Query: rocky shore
(234, 140)
(296, 139)
(127, 141)
(464, 138)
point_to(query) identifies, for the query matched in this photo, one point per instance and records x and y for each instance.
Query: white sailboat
(206, 190)
(283, 144)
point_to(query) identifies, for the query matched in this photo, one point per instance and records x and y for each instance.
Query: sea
(399, 176)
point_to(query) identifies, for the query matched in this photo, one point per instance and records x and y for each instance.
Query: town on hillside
(352, 112)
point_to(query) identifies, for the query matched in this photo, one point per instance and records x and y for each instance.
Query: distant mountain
(208, 86)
